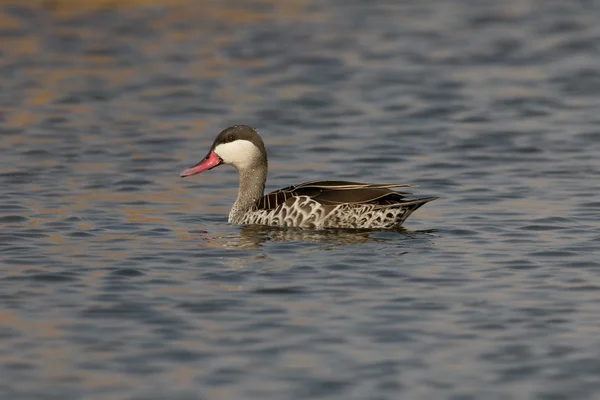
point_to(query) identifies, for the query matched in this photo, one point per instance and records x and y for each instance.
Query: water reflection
(255, 236)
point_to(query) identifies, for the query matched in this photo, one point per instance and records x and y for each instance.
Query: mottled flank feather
(334, 204)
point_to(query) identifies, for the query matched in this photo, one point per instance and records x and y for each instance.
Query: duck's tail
(410, 207)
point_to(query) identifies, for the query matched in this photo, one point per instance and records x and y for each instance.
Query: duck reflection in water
(255, 236)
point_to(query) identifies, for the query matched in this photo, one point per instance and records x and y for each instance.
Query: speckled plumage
(306, 213)
(311, 205)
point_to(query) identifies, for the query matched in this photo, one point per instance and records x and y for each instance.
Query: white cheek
(239, 153)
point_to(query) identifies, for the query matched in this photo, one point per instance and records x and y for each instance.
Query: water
(120, 280)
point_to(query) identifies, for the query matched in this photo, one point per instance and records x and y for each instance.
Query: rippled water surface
(119, 280)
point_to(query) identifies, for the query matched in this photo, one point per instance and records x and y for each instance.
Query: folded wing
(336, 192)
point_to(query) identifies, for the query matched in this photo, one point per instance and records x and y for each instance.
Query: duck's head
(239, 145)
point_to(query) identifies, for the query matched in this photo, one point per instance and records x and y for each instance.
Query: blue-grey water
(119, 280)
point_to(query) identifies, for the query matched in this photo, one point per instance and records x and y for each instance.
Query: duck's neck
(252, 188)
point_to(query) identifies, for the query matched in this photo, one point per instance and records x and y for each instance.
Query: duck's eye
(229, 138)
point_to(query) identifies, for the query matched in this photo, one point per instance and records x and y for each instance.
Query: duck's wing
(274, 199)
(343, 185)
(336, 192)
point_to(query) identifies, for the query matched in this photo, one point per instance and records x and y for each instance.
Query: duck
(311, 205)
